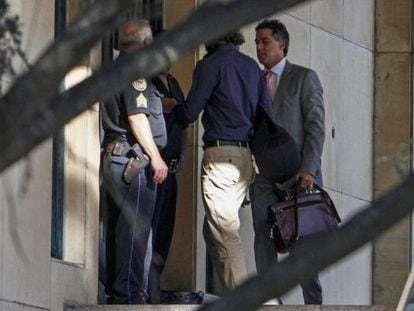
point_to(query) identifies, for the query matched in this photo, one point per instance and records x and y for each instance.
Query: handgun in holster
(136, 164)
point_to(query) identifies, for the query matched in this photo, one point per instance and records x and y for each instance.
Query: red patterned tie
(268, 75)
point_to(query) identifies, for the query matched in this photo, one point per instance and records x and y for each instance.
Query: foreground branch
(322, 251)
(65, 52)
(24, 107)
(40, 117)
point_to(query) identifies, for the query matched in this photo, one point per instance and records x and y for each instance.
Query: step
(195, 307)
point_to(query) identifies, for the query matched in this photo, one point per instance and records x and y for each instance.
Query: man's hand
(168, 104)
(306, 180)
(160, 170)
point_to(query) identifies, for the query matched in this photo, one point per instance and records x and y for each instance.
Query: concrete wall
(336, 39)
(29, 278)
(392, 140)
(185, 266)
(25, 194)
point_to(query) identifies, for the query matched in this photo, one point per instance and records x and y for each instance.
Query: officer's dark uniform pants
(163, 227)
(128, 236)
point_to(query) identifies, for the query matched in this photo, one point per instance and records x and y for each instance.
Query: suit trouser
(128, 234)
(262, 195)
(225, 177)
(163, 228)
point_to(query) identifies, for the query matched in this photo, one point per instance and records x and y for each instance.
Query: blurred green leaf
(10, 41)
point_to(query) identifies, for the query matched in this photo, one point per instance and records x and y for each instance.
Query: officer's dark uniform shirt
(174, 128)
(229, 86)
(140, 96)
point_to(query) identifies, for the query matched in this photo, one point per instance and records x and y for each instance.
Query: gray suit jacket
(298, 107)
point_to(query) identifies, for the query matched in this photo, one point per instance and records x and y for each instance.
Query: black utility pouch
(134, 167)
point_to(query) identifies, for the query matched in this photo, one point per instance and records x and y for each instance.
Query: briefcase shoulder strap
(332, 205)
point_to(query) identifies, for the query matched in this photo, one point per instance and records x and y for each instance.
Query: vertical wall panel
(392, 138)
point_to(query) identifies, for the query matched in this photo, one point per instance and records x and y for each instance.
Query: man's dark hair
(235, 37)
(278, 29)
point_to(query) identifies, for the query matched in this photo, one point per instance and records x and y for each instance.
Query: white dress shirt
(277, 72)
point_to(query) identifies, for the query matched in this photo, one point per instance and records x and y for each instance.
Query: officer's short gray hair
(135, 32)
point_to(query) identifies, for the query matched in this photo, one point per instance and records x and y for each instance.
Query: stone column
(392, 137)
(185, 265)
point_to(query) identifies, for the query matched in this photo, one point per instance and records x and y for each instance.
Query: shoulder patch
(141, 101)
(140, 84)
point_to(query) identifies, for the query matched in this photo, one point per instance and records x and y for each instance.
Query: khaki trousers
(226, 174)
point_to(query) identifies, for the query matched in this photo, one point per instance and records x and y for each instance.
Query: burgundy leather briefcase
(301, 215)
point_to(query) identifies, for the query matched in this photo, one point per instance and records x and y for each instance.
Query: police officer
(173, 155)
(134, 124)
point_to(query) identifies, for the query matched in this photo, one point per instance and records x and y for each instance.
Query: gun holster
(137, 162)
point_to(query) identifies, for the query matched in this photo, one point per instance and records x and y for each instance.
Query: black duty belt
(218, 143)
(117, 148)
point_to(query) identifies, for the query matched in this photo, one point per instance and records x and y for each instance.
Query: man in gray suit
(297, 102)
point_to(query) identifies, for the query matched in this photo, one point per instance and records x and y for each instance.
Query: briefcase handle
(324, 193)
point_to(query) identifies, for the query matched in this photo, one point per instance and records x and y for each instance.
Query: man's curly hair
(235, 37)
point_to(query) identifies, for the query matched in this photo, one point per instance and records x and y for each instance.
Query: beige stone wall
(25, 193)
(392, 140)
(74, 278)
(361, 50)
(29, 278)
(336, 39)
(185, 266)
